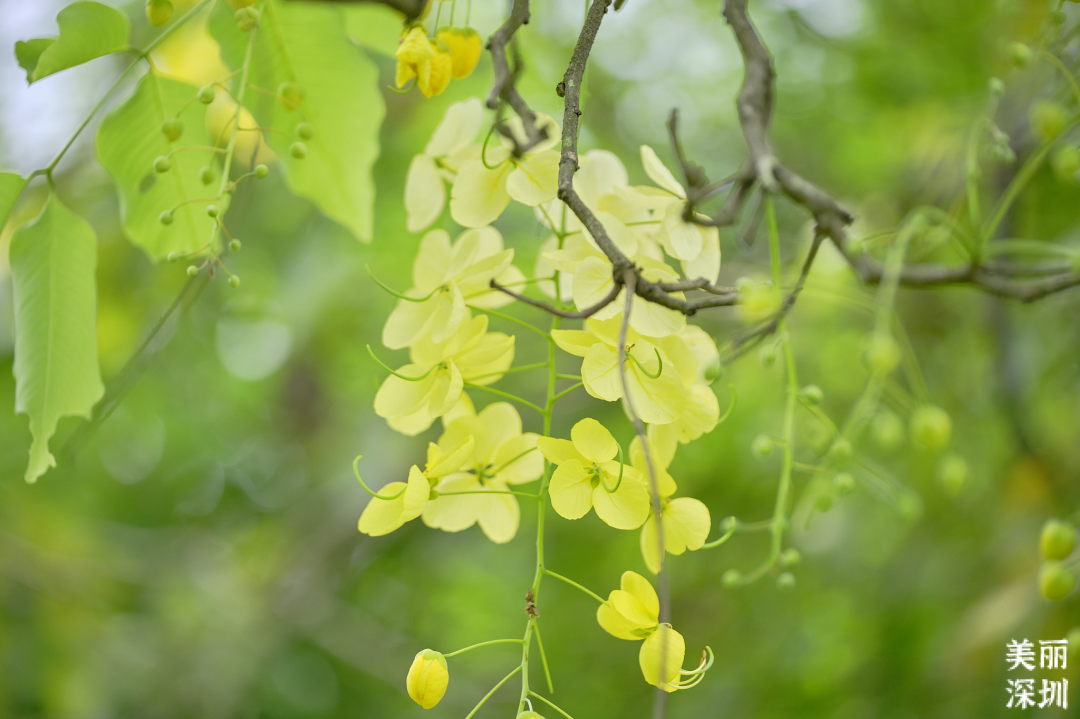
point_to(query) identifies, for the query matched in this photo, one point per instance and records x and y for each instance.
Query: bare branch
(504, 89)
(583, 314)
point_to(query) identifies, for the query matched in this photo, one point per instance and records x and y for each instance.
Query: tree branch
(504, 89)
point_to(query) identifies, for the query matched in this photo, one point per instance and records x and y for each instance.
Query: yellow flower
(587, 478)
(414, 55)
(425, 193)
(465, 47)
(655, 386)
(382, 516)
(444, 275)
(693, 353)
(685, 520)
(437, 373)
(632, 613)
(502, 455)
(758, 300)
(483, 186)
(438, 77)
(428, 678)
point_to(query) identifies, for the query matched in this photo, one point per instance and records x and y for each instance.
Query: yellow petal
(498, 422)
(687, 520)
(656, 400)
(498, 514)
(663, 443)
(465, 47)
(632, 608)
(405, 71)
(641, 588)
(457, 512)
(493, 299)
(428, 678)
(684, 239)
(617, 232)
(446, 390)
(413, 424)
(450, 312)
(415, 47)
(659, 173)
(661, 657)
(398, 397)
(479, 194)
(536, 180)
(700, 414)
(707, 264)
(593, 441)
(441, 463)
(600, 373)
(543, 269)
(665, 484)
(408, 322)
(458, 129)
(650, 545)
(627, 507)
(543, 122)
(598, 175)
(570, 490)
(382, 516)
(575, 342)
(616, 624)
(558, 450)
(519, 459)
(425, 195)
(592, 284)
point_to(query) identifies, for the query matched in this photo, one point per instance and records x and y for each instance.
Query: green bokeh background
(198, 556)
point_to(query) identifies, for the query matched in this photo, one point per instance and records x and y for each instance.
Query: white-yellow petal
(458, 128)
(455, 512)
(558, 450)
(575, 342)
(616, 624)
(659, 173)
(398, 397)
(517, 460)
(687, 522)
(661, 657)
(625, 508)
(498, 515)
(593, 283)
(600, 373)
(684, 239)
(430, 268)
(707, 264)
(598, 175)
(642, 589)
(535, 180)
(425, 194)
(594, 441)
(570, 490)
(479, 194)
(408, 322)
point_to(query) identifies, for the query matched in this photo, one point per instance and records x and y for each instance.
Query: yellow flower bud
(158, 12)
(438, 78)
(428, 678)
(465, 48)
(415, 47)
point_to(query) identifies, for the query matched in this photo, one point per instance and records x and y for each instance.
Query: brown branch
(583, 314)
(504, 90)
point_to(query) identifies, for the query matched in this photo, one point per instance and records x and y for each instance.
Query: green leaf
(56, 365)
(88, 30)
(306, 43)
(11, 186)
(129, 139)
(374, 26)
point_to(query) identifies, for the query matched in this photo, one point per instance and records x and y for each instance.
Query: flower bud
(158, 12)
(824, 502)
(1058, 539)
(1020, 54)
(840, 450)
(882, 354)
(731, 578)
(767, 355)
(1074, 640)
(428, 678)
(762, 446)
(789, 557)
(529, 715)
(952, 474)
(1048, 119)
(206, 94)
(1055, 581)
(1058, 17)
(931, 427)
(291, 95)
(888, 430)
(811, 394)
(172, 128)
(1066, 162)
(843, 484)
(261, 171)
(996, 88)
(785, 582)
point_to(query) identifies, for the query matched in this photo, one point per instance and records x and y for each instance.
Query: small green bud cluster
(952, 474)
(206, 174)
(931, 427)
(305, 131)
(1056, 581)
(172, 128)
(762, 446)
(1066, 162)
(1020, 55)
(1000, 147)
(1048, 119)
(881, 354)
(158, 12)
(811, 394)
(162, 164)
(206, 94)
(291, 95)
(888, 430)
(246, 18)
(261, 171)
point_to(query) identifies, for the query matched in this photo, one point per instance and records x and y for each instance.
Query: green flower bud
(529, 715)
(246, 18)
(789, 557)
(1058, 539)
(952, 474)
(172, 128)
(165, 217)
(261, 171)
(234, 281)
(1074, 640)
(731, 578)
(212, 210)
(298, 150)
(291, 95)
(206, 94)
(234, 246)
(882, 354)
(767, 355)
(305, 131)
(996, 88)
(931, 427)
(1058, 17)
(762, 446)
(206, 174)
(173, 257)
(840, 451)
(1048, 119)
(158, 12)
(1055, 581)
(727, 524)
(888, 430)
(785, 582)
(1066, 162)
(162, 164)
(811, 394)
(824, 502)
(192, 270)
(1020, 54)
(843, 483)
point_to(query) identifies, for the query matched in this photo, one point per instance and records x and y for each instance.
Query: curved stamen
(367, 489)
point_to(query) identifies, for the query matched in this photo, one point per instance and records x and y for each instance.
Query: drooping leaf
(306, 44)
(56, 364)
(128, 141)
(11, 186)
(88, 30)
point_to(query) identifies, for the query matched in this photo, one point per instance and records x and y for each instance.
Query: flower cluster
(432, 62)
(476, 468)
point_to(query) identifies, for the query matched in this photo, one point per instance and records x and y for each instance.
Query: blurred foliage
(198, 554)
